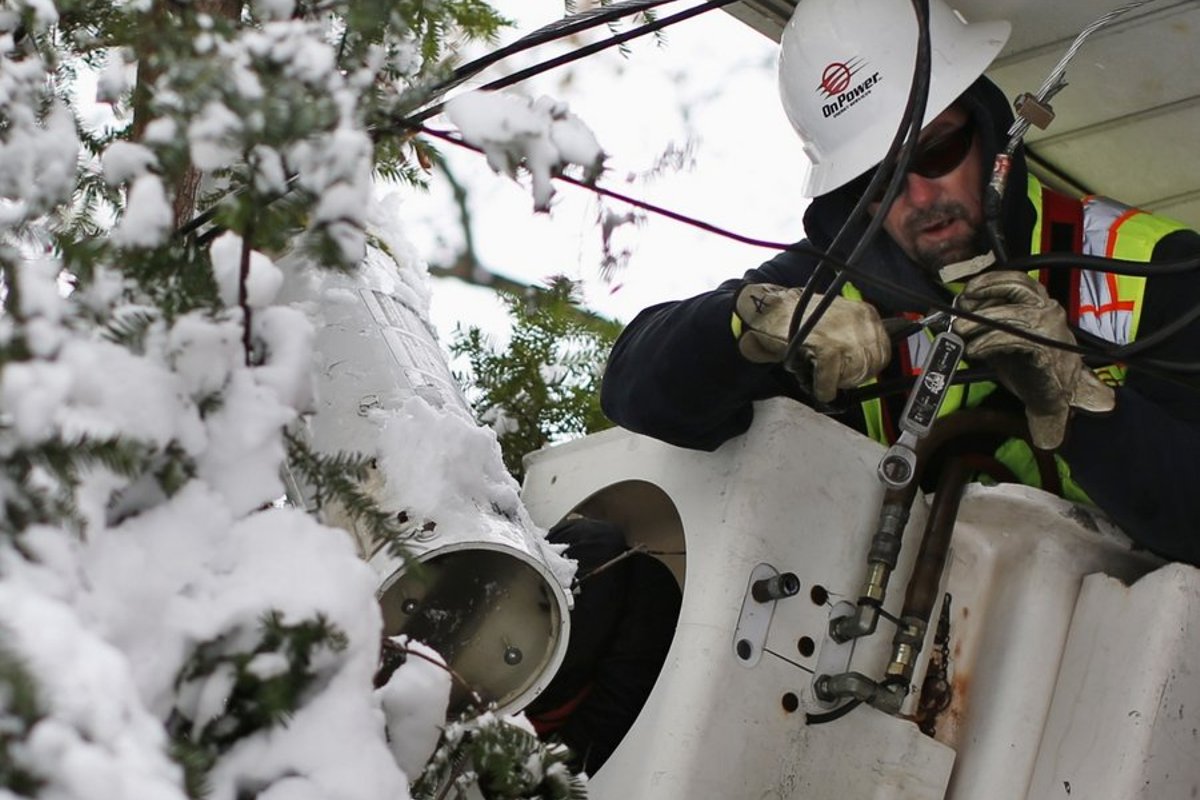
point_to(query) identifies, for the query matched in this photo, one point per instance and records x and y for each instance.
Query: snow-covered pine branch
(167, 628)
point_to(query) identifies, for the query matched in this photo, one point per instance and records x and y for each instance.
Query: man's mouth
(937, 226)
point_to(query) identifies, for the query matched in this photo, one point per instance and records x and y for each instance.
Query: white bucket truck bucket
(1054, 629)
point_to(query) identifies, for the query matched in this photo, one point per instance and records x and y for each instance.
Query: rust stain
(942, 720)
(935, 694)
(959, 685)
(960, 651)
(951, 719)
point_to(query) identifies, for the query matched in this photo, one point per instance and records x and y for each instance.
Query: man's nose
(920, 191)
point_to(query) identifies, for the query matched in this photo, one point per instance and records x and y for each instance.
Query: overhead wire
(559, 29)
(1056, 79)
(1099, 349)
(1102, 264)
(900, 152)
(1029, 108)
(602, 191)
(409, 120)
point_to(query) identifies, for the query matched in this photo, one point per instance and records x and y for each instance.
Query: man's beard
(933, 257)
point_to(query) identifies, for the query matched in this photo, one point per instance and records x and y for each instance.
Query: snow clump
(542, 135)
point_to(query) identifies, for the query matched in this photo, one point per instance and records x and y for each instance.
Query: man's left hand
(1048, 380)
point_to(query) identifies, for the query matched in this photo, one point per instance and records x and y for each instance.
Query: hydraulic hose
(921, 593)
(920, 598)
(881, 562)
(897, 504)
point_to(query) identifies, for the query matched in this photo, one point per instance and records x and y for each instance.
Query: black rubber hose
(909, 135)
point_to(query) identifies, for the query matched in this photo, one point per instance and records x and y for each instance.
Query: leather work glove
(1049, 381)
(847, 346)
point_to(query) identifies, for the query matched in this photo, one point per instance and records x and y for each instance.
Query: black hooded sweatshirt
(676, 374)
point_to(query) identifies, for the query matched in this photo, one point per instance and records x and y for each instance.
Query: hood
(826, 214)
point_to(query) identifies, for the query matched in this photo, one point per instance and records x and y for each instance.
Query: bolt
(896, 470)
(775, 588)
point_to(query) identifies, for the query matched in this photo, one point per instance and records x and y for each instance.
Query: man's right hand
(847, 346)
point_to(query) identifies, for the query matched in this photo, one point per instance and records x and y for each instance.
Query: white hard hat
(845, 69)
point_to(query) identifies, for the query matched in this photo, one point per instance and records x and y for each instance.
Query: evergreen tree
(504, 761)
(168, 630)
(19, 712)
(545, 385)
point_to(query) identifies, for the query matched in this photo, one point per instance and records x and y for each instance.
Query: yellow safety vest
(1102, 303)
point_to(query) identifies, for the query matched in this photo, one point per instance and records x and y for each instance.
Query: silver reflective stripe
(1099, 216)
(920, 345)
(1099, 311)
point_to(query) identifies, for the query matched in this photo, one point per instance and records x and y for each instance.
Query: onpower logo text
(842, 85)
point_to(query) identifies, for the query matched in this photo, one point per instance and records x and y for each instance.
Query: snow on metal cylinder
(488, 593)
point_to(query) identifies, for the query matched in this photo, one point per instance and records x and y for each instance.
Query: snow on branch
(170, 628)
(543, 136)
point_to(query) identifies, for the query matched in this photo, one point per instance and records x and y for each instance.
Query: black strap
(1062, 232)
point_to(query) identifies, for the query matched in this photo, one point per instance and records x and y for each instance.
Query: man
(626, 607)
(688, 372)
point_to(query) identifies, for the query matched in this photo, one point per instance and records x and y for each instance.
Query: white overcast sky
(709, 87)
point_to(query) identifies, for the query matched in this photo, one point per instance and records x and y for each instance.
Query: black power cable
(1096, 351)
(909, 133)
(412, 120)
(901, 149)
(567, 26)
(559, 29)
(613, 41)
(1102, 264)
(834, 715)
(1100, 351)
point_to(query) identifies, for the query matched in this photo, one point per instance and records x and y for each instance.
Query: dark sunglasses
(933, 159)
